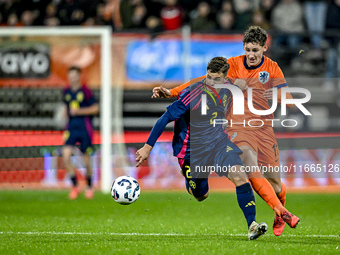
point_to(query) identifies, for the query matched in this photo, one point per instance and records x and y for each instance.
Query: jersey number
(187, 173)
(214, 115)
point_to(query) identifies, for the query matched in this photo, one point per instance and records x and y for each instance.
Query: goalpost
(106, 113)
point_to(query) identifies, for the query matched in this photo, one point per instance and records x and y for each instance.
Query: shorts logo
(192, 184)
(263, 77)
(251, 203)
(229, 148)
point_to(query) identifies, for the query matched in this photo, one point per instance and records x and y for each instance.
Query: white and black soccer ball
(125, 190)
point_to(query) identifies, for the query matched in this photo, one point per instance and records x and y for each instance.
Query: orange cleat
(89, 193)
(278, 225)
(74, 193)
(290, 219)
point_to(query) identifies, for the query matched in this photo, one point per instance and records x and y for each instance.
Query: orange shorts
(262, 141)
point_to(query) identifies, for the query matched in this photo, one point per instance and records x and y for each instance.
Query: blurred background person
(315, 16)
(333, 51)
(225, 21)
(81, 107)
(287, 20)
(172, 15)
(202, 19)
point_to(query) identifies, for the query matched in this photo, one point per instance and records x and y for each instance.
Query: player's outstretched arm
(143, 153)
(157, 92)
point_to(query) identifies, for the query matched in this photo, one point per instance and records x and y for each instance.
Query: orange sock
(263, 188)
(282, 195)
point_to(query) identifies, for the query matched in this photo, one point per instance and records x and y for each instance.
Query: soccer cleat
(74, 193)
(256, 230)
(89, 193)
(278, 225)
(290, 219)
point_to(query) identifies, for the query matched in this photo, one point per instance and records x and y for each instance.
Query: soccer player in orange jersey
(258, 144)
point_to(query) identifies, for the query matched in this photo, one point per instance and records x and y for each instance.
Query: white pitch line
(151, 234)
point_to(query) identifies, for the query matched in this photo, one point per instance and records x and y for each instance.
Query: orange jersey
(260, 78)
(265, 76)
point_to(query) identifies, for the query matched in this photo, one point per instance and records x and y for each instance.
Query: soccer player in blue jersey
(81, 107)
(199, 144)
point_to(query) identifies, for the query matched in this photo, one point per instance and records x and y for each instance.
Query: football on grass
(125, 190)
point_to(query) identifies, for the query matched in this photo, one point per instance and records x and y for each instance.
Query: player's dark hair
(218, 64)
(75, 68)
(255, 34)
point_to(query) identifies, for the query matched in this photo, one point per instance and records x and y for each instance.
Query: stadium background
(149, 48)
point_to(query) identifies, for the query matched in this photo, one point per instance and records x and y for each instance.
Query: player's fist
(242, 84)
(142, 154)
(160, 92)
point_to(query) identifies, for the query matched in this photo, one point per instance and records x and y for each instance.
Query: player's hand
(142, 154)
(242, 84)
(160, 92)
(268, 94)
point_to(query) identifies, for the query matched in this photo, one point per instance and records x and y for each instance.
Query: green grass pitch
(46, 222)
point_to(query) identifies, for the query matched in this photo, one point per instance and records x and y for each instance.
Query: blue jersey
(194, 132)
(82, 97)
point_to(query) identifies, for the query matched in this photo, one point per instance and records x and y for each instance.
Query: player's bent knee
(248, 156)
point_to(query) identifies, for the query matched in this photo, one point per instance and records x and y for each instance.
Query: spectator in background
(13, 20)
(202, 19)
(133, 13)
(66, 10)
(51, 18)
(315, 14)
(267, 6)
(154, 25)
(171, 15)
(287, 19)
(37, 7)
(259, 19)
(27, 18)
(99, 18)
(77, 17)
(225, 21)
(244, 12)
(227, 6)
(7, 8)
(52, 22)
(111, 14)
(333, 53)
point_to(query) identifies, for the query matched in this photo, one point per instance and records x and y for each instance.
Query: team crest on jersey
(263, 77)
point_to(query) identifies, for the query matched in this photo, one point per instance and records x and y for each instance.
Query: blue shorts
(196, 169)
(72, 137)
(219, 159)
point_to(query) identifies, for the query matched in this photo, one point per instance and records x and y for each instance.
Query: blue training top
(82, 97)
